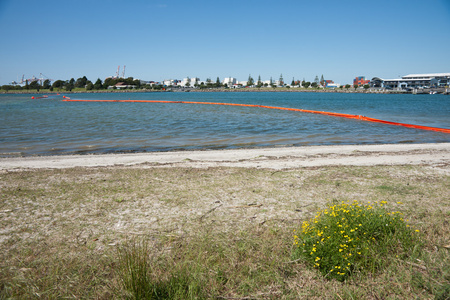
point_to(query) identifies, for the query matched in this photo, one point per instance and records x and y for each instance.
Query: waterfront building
(413, 81)
(329, 84)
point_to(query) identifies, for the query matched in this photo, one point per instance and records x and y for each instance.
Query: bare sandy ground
(434, 155)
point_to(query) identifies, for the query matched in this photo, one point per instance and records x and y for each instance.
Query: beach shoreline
(433, 154)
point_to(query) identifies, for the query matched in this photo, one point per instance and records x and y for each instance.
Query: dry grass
(230, 228)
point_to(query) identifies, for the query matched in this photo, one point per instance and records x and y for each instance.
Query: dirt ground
(134, 193)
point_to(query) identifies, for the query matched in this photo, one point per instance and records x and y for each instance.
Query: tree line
(84, 83)
(69, 85)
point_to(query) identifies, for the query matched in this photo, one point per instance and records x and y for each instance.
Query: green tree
(250, 81)
(293, 82)
(109, 82)
(58, 84)
(7, 87)
(314, 84)
(366, 86)
(81, 82)
(70, 84)
(34, 85)
(136, 83)
(322, 80)
(259, 83)
(306, 84)
(347, 86)
(46, 85)
(98, 84)
(218, 82)
(281, 80)
(89, 85)
(128, 81)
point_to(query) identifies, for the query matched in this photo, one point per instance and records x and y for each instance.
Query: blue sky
(159, 39)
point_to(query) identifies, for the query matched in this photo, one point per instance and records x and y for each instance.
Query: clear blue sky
(159, 39)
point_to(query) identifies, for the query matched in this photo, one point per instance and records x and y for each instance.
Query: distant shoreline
(243, 90)
(219, 90)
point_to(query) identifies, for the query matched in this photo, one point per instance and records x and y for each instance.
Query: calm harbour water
(53, 127)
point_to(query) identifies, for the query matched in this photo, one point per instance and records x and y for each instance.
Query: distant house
(329, 84)
(121, 85)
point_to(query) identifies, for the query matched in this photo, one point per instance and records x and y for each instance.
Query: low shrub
(353, 237)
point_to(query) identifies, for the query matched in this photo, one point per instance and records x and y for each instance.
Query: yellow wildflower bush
(353, 237)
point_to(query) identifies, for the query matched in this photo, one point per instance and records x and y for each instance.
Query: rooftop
(427, 75)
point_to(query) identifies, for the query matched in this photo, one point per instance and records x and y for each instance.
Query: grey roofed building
(413, 81)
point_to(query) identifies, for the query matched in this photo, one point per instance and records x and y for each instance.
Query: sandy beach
(435, 155)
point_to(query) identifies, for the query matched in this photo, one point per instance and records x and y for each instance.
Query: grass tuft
(148, 277)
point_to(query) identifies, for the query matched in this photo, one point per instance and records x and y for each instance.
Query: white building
(230, 81)
(413, 81)
(191, 81)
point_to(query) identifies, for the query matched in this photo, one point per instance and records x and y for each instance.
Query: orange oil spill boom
(348, 116)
